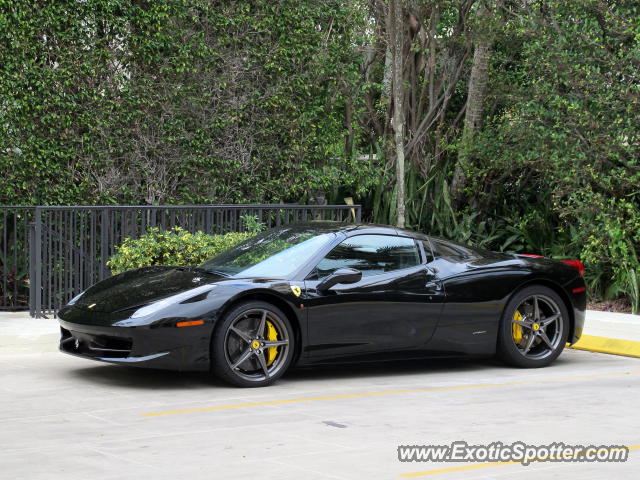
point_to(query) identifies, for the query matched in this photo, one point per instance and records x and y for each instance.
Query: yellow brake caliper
(272, 335)
(516, 330)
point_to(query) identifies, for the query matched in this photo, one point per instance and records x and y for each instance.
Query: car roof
(324, 226)
(351, 229)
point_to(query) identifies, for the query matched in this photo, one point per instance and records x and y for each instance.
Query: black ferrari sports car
(326, 293)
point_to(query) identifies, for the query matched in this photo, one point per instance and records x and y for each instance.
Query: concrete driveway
(64, 416)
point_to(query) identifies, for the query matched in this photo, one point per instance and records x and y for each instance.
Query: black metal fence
(14, 256)
(50, 254)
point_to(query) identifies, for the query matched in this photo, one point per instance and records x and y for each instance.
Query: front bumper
(164, 347)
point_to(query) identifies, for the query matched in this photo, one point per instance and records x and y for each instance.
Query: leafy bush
(252, 224)
(172, 247)
(144, 101)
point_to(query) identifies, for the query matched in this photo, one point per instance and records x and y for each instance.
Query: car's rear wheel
(253, 345)
(534, 328)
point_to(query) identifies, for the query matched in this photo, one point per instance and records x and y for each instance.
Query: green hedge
(173, 247)
(174, 101)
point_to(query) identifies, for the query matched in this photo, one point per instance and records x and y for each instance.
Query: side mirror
(341, 275)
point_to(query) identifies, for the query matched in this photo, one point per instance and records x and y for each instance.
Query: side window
(371, 254)
(447, 249)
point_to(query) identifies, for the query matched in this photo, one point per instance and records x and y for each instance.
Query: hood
(136, 288)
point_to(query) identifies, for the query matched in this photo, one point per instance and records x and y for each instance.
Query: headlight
(76, 298)
(180, 297)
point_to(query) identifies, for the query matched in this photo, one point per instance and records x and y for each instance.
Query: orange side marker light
(191, 323)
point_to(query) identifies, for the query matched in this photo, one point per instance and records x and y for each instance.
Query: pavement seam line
(381, 393)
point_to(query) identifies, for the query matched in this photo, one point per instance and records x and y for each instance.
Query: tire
(530, 340)
(252, 346)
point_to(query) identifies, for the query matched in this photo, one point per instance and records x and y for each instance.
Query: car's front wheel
(534, 328)
(253, 345)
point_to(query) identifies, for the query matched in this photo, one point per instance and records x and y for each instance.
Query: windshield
(275, 254)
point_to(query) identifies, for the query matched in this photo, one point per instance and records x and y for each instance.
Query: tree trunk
(396, 33)
(473, 115)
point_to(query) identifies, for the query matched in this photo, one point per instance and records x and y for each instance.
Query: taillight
(577, 264)
(530, 255)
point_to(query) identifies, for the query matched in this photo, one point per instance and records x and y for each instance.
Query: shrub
(172, 247)
(252, 224)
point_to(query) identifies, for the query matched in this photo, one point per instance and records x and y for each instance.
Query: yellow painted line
(437, 471)
(384, 392)
(612, 346)
(478, 466)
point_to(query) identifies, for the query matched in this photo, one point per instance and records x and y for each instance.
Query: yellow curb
(612, 346)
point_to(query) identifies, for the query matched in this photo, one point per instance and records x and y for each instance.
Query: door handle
(435, 286)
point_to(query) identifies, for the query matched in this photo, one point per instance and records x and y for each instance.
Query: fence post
(104, 238)
(35, 267)
(32, 270)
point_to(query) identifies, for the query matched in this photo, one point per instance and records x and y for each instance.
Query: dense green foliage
(172, 100)
(561, 149)
(180, 101)
(173, 247)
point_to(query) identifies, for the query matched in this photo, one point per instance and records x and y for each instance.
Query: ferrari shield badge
(296, 290)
